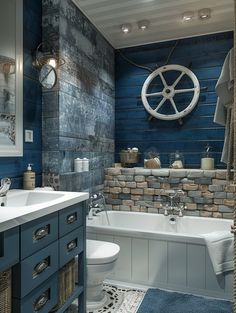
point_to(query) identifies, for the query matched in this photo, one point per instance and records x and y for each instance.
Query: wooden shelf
(78, 290)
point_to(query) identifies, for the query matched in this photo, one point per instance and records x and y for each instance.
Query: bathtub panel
(157, 262)
(196, 266)
(140, 260)
(123, 265)
(213, 281)
(103, 237)
(177, 263)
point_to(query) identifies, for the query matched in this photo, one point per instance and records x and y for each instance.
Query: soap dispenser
(29, 178)
(207, 162)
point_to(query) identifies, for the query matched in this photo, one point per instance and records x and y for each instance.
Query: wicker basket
(5, 291)
(66, 283)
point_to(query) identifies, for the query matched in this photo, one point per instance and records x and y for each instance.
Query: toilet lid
(101, 252)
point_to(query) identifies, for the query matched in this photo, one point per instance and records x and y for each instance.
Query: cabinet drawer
(38, 234)
(41, 300)
(70, 245)
(34, 270)
(70, 218)
(9, 248)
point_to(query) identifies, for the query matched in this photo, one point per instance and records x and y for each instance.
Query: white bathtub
(159, 254)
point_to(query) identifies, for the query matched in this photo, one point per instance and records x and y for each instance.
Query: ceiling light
(144, 24)
(126, 28)
(204, 14)
(188, 16)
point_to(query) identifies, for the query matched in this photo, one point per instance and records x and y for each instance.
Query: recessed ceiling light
(144, 24)
(188, 16)
(204, 14)
(126, 28)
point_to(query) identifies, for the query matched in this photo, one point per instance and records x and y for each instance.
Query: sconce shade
(51, 57)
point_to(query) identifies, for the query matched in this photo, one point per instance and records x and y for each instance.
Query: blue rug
(160, 301)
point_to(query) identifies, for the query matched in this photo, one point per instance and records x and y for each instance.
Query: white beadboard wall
(178, 266)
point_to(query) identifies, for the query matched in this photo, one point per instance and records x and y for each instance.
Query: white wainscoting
(179, 266)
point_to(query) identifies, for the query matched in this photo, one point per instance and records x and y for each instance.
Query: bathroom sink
(28, 198)
(22, 206)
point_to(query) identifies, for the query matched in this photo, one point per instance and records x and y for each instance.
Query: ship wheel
(168, 92)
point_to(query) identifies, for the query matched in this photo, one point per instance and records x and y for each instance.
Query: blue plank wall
(205, 56)
(15, 166)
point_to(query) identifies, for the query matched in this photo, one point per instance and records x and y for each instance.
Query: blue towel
(160, 301)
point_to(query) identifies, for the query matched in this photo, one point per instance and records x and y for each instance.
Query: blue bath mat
(160, 301)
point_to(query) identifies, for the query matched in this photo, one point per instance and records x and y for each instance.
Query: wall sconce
(51, 58)
(47, 63)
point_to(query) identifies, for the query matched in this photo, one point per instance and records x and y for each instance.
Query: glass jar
(177, 160)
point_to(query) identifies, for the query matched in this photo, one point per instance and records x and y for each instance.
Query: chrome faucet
(5, 186)
(174, 204)
(97, 204)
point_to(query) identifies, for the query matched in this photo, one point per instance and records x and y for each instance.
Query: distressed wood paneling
(205, 56)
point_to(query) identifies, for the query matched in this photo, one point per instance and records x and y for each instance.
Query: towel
(220, 248)
(224, 90)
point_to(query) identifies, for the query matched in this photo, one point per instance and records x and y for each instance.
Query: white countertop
(12, 216)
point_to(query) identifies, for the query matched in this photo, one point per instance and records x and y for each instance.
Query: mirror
(48, 76)
(11, 78)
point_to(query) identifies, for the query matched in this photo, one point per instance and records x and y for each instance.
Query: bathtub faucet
(5, 186)
(174, 204)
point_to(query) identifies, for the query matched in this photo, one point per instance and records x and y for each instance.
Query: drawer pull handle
(41, 267)
(72, 245)
(41, 301)
(71, 218)
(41, 233)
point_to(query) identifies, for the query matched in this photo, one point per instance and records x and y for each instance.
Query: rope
(234, 160)
(146, 67)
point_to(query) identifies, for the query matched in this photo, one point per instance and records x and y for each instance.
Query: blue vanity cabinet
(45, 245)
(9, 248)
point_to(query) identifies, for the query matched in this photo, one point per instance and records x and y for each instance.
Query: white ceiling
(164, 15)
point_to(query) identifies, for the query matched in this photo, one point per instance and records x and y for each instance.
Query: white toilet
(101, 259)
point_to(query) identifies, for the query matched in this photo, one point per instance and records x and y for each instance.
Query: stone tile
(194, 193)
(178, 173)
(127, 171)
(229, 202)
(126, 190)
(211, 174)
(190, 187)
(149, 191)
(142, 185)
(137, 191)
(131, 184)
(195, 174)
(191, 206)
(228, 215)
(203, 181)
(128, 202)
(216, 187)
(220, 195)
(221, 174)
(115, 190)
(160, 172)
(217, 215)
(219, 182)
(124, 208)
(139, 178)
(225, 209)
(210, 208)
(154, 185)
(142, 171)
